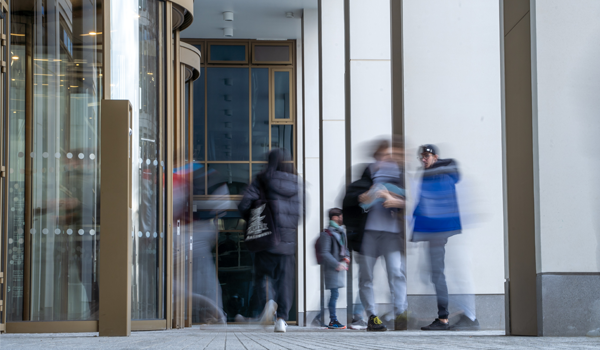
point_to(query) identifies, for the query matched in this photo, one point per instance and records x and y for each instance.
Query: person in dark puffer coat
(277, 263)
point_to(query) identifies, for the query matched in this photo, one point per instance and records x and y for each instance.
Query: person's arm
(251, 194)
(325, 250)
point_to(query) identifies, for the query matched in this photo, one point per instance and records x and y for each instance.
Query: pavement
(249, 337)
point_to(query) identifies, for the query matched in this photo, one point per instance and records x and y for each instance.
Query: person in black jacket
(277, 263)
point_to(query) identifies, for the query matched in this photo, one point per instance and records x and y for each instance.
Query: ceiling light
(228, 32)
(228, 16)
(289, 14)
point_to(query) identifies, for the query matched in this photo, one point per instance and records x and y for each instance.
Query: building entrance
(244, 107)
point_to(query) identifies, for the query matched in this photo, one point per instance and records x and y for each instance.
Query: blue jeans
(335, 294)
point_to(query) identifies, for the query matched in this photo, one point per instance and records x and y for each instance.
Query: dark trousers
(437, 255)
(280, 270)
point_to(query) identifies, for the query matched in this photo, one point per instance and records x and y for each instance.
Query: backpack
(261, 232)
(318, 247)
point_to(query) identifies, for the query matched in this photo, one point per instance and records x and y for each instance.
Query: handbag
(261, 233)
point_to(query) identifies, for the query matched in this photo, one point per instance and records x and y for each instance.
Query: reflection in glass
(199, 118)
(228, 52)
(228, 124)
(53, 220)
(146, 273)
(260, 113)
(271, 53)
(282, 95)
(282, 136)
(235, 176)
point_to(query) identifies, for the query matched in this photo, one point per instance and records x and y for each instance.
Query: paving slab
(253, 337)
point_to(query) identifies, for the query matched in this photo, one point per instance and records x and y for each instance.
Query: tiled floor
(256, 337)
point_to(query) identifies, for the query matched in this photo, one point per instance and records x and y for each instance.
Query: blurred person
(436, 218)
(333, 254)
(379, 231)
(277, 263)
(207, 296)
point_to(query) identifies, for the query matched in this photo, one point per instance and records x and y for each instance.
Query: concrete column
(551, 126)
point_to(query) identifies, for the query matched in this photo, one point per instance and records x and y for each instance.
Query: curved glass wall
(137, 74)
(54, 209)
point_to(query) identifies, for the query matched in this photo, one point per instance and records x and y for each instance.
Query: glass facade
(54, 210)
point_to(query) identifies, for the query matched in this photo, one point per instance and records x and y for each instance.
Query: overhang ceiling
(253, 19)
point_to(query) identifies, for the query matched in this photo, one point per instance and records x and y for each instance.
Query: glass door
(53, 175)
(5, 59)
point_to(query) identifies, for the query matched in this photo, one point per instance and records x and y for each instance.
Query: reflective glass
(228, 117)
(282, 95)
(199, 116)
(54, 212)
(228, 52)
(282, 136)
(260, 113)
(146, 273)
(271, 53)
(234, 176)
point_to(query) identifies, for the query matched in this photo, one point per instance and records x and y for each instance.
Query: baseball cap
(428, 148)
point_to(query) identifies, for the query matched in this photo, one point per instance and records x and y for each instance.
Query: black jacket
(355, 218)
(282, 188)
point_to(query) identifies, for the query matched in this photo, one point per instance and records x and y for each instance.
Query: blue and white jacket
(437, 210)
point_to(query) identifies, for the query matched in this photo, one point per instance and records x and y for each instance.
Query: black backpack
(261, 233)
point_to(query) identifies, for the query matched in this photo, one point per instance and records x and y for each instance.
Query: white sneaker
(268, 315)
(239, 319)
(280, 325)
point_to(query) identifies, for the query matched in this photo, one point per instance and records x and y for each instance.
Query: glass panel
(282, 95)
(234, 176)
(235, 273)
(198, 178)
(146, 280)
(199, 116)
(260, 113)
(53, 221)
(271, 53)
(282, 136)
(228, 52)
(228, 117)
(257, 168)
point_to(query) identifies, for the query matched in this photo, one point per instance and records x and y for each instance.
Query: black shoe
(437, 325)
(465, 324)
(375, 325)
(401, 322)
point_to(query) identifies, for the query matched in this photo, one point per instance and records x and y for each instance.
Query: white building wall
(311, 158)
(334, 110)
(566, 106)
(452, 98)
(370, 99)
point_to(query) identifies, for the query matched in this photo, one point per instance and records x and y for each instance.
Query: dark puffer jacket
(282, 188)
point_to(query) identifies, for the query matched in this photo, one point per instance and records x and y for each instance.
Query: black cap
(429, 148)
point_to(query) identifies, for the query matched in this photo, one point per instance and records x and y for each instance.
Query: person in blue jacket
(436, 218)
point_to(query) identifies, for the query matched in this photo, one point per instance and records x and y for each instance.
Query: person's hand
(341, 267)
(347, 260)
(365, 198)
(393, 202)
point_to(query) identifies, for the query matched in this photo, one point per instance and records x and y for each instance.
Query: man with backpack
(332, 253)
